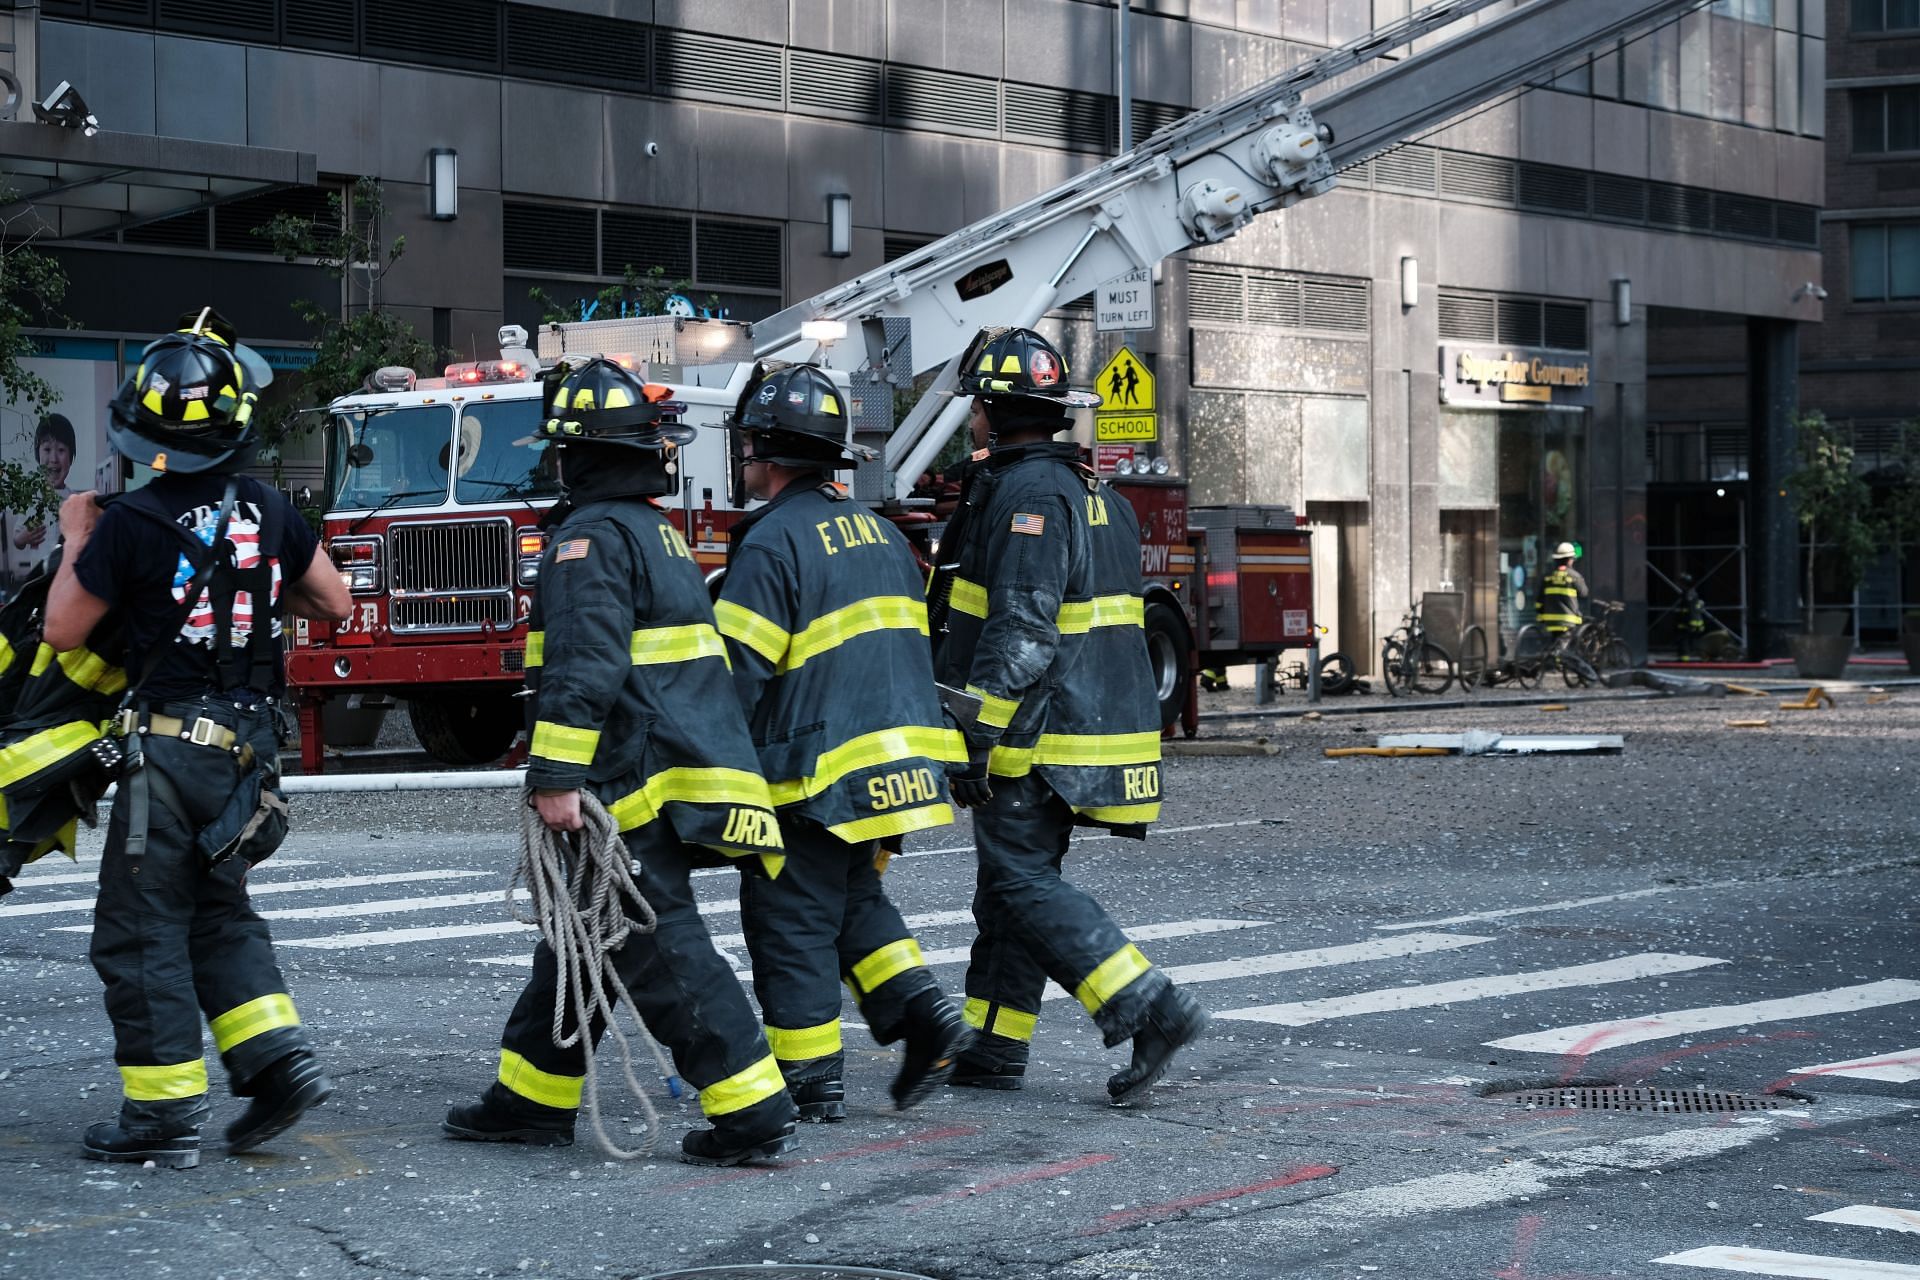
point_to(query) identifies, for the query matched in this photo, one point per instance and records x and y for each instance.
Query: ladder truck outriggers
(435, 487)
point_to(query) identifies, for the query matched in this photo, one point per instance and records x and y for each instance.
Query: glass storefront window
(1542, 503)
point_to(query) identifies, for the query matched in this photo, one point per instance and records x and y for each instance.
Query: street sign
(1126, 393)
(1108, 456)
(1125, 303)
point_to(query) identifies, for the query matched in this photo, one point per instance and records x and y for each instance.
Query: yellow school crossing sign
(1126, 400)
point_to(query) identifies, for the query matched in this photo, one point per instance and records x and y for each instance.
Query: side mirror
(360, 455)
(303, 497)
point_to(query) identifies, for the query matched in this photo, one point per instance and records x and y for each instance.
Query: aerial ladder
(1196, 182)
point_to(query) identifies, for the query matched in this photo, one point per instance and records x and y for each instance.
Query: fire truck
(435, 489)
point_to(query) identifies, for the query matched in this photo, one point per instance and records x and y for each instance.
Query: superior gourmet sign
(1515, 378)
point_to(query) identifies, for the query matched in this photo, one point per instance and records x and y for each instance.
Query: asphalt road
(1388, 947)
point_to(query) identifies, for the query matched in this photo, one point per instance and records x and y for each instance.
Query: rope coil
(586, 905)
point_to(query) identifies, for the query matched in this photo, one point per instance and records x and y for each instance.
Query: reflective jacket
(826, 625)
(1045, 627)
(1560, 600)
(632, 697)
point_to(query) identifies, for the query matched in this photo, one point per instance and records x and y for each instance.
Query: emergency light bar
(474, 372)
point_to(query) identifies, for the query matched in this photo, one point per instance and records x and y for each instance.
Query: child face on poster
(53, 447)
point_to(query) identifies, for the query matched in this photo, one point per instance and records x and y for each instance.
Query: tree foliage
(639, 293)
(32, 287)
(1834, 502)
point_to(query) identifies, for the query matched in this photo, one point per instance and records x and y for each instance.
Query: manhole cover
(1652, 1101)
(784, 1271)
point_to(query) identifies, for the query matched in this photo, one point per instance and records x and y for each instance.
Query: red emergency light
(474, 372)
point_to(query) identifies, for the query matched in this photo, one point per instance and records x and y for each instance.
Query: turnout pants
(1034, 925)
(827, 920)
(175, 939)
(686, 993)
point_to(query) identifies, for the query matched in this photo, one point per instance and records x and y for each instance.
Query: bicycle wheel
(1471, 670)
(1615, 656)
(1433, 672)
(1530, 655)
(1393, 667)
(1575, 671)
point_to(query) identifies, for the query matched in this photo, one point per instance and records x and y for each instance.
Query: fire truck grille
(452, 575)
(452, 613)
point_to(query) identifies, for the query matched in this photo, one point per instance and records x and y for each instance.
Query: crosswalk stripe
(732, 941)
(392, 906)
(442, 933)
(28, 880)
(1623, 969)
(270, 886)
(1137, 933)
(1311, 958)
(1592, 1037)
(1873, 1215)
(1899, 1067)
(1772, 1262)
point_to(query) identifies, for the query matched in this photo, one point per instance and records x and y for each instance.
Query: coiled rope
(586, 905)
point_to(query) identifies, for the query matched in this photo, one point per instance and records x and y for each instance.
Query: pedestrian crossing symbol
(1127, 409)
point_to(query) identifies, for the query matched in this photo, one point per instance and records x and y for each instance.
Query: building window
(1886, 120)
(1885, 15)
(1886, 262)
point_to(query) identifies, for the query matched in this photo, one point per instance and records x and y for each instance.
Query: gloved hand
(968, 782)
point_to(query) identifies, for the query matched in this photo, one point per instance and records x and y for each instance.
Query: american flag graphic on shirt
(1026, 522)
(243, 531)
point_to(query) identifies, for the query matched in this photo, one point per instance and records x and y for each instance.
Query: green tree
(1834, 503)
(639, 293)
(359, 335)
(32, 287)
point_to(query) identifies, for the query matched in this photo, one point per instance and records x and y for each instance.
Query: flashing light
(473, 372)
(391, 378)
(358, 560)
(532, 542)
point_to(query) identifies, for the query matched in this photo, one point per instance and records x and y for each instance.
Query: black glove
(968, 782)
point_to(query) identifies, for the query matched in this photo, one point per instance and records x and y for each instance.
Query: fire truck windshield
(391, 457)
(499, 454)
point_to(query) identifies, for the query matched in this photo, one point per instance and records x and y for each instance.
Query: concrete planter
(1821, 657)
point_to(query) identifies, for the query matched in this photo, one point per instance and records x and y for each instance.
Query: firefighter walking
(826, 625)
(1561, 592)
(1043, 620)
(632, 702)
(200, 567)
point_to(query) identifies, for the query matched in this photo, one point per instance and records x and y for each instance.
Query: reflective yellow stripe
(241, 1024)
(652, 645)
(6, 655)
(536, 650)
(89, 670)
(968, 597)
(741, 1090)
(1009, 1023)
(886, 963)
(1076, 749)
(897, 823)
(742, 625)
(1111, 978)
(1082, 616)
(535, 1085)
(689, 785)
(883, 746)
(995, 712)
(50, 746)
(155, 1084)
(1123, 813)
(876, 613)
(42, 659)
(802, 1043)
(563, 743)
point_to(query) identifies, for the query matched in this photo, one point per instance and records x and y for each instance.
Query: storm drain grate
(1661, 1101)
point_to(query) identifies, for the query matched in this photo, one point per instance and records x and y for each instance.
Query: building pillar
(1773, 534)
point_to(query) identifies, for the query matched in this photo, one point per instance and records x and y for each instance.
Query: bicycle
(1537, 651)
(1596, 641)
(1472, 669)
(1412, 663)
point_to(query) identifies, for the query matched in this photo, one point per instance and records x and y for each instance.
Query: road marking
(442, 933)
(1312, 958)
(1771, 1262)
(265, 887)
(1899, 1067)
(1077, 840)
(1592, 1037)
(393, 906)
(1873, 1215)
(1623, 969)
(28, 880)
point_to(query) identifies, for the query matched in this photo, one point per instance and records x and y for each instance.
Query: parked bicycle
(1538, 653)
(1596, 641)
(1411, 663)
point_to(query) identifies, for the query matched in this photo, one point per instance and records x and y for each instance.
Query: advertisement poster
(67, 441)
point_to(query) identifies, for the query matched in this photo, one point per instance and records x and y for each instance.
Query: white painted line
(1771, 1262)
(733, 941)
(1591, 1037)
(1099, 836)
(1566, 904)
(1899, 1067)
(1411, 944)
(443, 933)
(391, 906)
(1623, 969)
(268, 886)
(1138, 933)
(28, 880)
(1873, 1215)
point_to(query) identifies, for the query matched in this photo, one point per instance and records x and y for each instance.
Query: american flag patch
(1026, 522)
(574, 550)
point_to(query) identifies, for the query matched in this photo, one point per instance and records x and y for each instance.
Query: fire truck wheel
(467, 729)
(1170, 650)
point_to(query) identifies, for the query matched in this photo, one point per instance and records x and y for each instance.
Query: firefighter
(826, 624)
(1043, 617)
(1560, 593)
(631, 701)
(174, 934)
(1693, 619)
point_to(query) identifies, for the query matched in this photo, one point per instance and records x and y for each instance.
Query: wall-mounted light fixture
(839, 226)
(1623, 302)
(1409, 282)
(443, 184)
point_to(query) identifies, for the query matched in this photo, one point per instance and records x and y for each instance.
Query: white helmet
(1566, 551)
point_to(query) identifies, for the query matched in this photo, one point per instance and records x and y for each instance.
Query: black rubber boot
(281, 1094)
(936, 1038)
(502, 1115)
(108, 1141)
(728, 1147)
(819, 1088)
(991, 1062)
(1174, 1020)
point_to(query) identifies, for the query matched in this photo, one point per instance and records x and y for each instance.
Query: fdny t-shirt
(143, 571)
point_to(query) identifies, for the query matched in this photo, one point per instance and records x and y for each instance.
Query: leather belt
(202, 732)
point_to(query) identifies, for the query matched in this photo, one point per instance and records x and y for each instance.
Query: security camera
(652, 148)
(65, 107)
(1812, 290)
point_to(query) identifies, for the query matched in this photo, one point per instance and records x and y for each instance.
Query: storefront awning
(81, 186)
